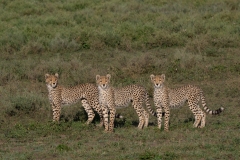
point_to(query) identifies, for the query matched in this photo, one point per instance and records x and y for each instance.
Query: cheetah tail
(207, 110)
(149, 106)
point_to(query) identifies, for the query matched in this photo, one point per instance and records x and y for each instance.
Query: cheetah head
(103, 81)
(157, 80)
(51, 80)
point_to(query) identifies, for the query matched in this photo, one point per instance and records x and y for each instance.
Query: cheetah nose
(104, 85)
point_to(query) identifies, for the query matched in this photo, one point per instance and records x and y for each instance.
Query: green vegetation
(192, 42)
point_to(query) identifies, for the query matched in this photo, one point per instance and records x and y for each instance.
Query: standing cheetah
(110, 98)
(59, 95)
(165, 97)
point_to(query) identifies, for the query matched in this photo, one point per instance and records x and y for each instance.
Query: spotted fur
(111, 98)
(165, 97)
(59, 96)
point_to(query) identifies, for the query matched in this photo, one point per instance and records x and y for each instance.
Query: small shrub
(165, 39)
(26, 103)
(72, 7)
(170, 156)
(232, 92)
(235, 68)
(60, 126)
(147, 155)
(74, 113)
(141, 65)
(198, 44)
(212, 52)
(199, 28)
(233, 4)
(32, 48)
(224, 41)
(111, 39)
(63, 147)
(61, 44)
(17, 132)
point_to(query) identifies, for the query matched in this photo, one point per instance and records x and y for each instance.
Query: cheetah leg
(159, 115)
(105, 117)
(112, 118)
(197, 116)
(100, 113)
(195, 110)
(98, 109)
(203, 119)
(166, 118)
(146, 116)
(197, 121)
(56, 112)
(140, 114)
(89, 111)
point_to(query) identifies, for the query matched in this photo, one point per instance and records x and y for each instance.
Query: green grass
(191, 42)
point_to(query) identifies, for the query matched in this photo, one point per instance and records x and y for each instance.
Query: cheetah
(165, 97)
(111, 98)
(60, 96)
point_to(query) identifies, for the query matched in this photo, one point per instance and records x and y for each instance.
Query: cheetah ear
(56, 75)
(97, 77)
(108, 76)
(163, 76)
(46, 75)
(152, 76)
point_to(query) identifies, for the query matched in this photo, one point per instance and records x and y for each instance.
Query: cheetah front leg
(105, 116)
(160, 107)
(166, 117)
(159, 115)
(112, 117)
(146, 116)
(56, 108)
(89, 111)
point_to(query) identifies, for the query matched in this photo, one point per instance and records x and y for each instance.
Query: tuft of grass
(63, 148)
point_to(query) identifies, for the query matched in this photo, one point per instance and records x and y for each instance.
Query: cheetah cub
(111, 98)
(59, 95)
(165, 97)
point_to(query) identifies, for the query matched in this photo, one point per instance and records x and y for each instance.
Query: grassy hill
(192, 42)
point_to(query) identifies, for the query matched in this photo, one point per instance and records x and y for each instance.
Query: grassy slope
(191, 42)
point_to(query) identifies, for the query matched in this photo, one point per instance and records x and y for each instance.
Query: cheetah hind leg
(203, 120)
(89, 111)
(197, 121)
(140, 114)
(98, 109)
(198, 118)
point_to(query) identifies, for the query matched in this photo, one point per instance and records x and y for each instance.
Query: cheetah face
(103, 81)
(157, 80)
(51, 80)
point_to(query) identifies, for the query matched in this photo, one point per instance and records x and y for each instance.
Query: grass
(191, 42)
